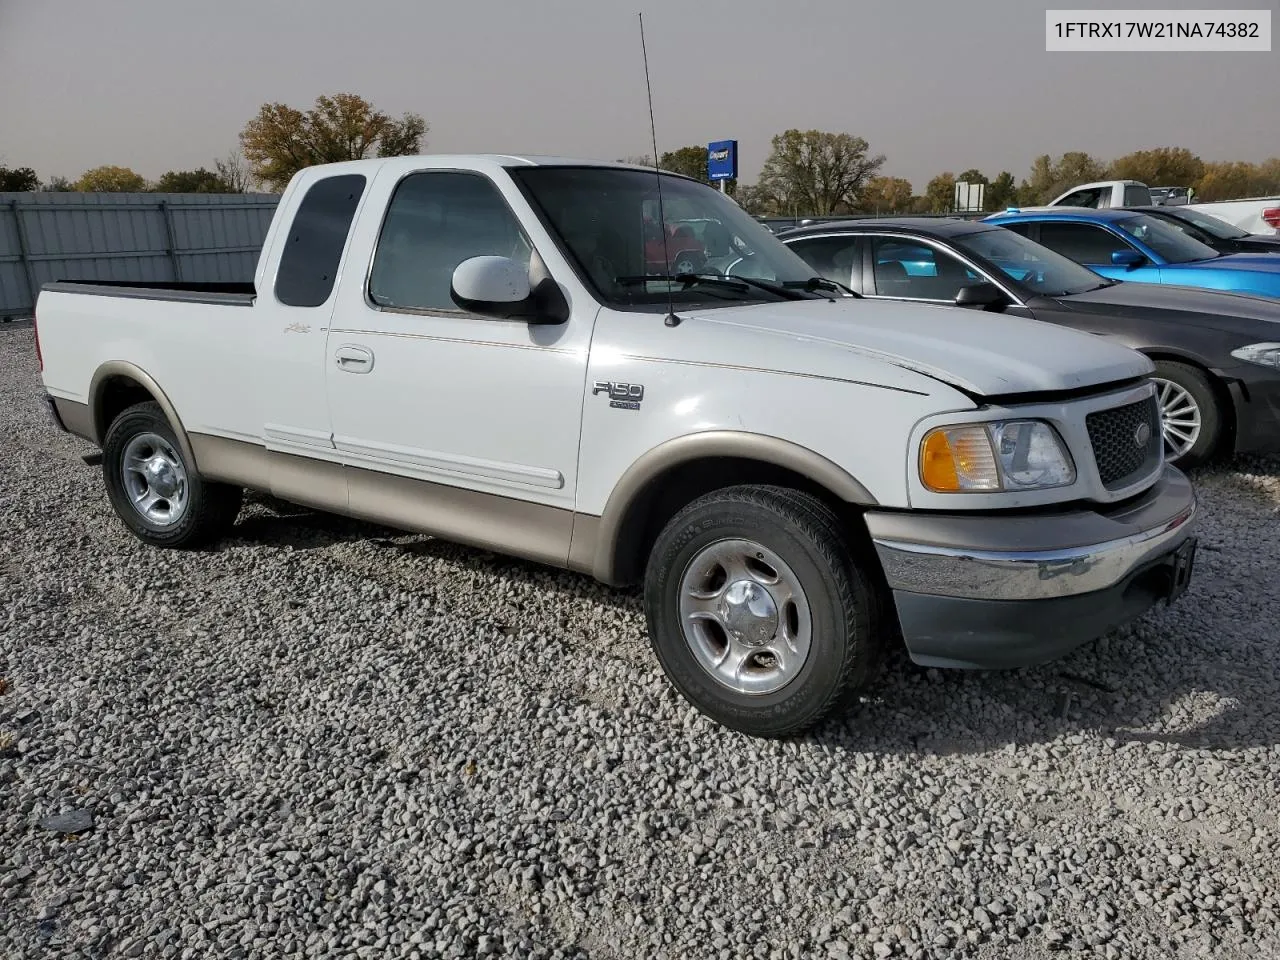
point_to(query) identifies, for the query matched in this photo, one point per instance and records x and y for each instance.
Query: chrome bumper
(1033, 557)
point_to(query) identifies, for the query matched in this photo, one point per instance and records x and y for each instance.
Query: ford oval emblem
(1141, 435)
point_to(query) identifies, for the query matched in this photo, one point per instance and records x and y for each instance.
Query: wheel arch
(675, 472)
(118, 385)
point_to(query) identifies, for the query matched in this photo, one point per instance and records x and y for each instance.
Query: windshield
(1165, 239)
(1037, 269)
(1210, 225)
(607, 219)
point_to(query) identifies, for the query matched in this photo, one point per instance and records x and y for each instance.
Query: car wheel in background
(1189, 411)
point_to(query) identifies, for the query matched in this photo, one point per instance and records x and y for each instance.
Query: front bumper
(992, 591)
(1255, 394)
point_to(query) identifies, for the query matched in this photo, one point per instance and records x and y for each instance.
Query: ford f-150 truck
(477, 348)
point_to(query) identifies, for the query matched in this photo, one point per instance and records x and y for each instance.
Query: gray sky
(168, 84)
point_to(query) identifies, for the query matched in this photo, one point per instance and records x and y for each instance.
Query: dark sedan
(1213, 232)
(1217, 355)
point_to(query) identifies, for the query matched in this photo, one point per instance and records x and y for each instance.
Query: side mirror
(984, 295)
(498, 288)
(1127, 258)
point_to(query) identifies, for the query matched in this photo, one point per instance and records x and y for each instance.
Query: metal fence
(158, 237)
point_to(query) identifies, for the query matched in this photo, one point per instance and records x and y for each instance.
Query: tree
(1049, 179)
(1162, 166)
(1002, 192)
(192, 181)
(108, 179)
(58, 185)
(1229, 181)
(886, 195)
(940, 194)
(281, 140)
(689, 161)
(18, 179)
(812, 172)
(233, 171)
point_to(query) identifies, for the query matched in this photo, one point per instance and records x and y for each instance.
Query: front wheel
(758, 611)
(153, 488)
(1189, 413)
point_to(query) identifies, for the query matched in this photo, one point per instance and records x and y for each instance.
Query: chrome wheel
(745, 616)
(1180, 418)
(155, 479)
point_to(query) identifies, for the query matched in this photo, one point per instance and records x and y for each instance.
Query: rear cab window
(317, 236)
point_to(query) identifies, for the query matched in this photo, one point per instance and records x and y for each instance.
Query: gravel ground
(327, 739)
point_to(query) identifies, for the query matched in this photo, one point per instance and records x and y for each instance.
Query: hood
(983, 354)
(1210, 308)
(1250, 262)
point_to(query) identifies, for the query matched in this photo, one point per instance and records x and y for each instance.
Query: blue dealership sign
(722, 160)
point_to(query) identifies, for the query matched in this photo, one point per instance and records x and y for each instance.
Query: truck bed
(224, 294)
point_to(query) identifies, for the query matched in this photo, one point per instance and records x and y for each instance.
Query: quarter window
(435, 220)
(317, 236)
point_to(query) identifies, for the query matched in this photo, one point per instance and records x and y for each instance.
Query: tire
(1192, 412)
(756, 531)
(185, 511)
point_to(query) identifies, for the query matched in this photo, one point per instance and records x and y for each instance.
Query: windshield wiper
(814, 284)
(740, 284)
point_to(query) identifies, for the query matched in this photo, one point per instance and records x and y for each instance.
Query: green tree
(1002, 192)
(1048, 179)
(1160, 167)
(282, 140)
(940, 194)
(885, 195)
(58, 185)
(18, 179)
(815, 173)
(192, 181)
(688, 161)
(109, 179)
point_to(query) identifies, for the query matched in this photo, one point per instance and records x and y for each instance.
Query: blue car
(1129, 245)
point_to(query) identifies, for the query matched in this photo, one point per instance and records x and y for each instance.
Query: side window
(317, 236)
(918, 272)
(435, 220)
(1082, 198)
(1021, 226)
(1082, 242)
(836, 258)
(1137, 196)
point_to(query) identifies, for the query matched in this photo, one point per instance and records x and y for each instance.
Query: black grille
(1115, 433)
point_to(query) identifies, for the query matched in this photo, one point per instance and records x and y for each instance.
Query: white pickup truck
(513, 353)
(1255, 215)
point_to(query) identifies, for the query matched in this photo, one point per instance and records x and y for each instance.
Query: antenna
(671, 318)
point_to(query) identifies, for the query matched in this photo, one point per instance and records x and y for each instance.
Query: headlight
(1267, 354)
(1006, 456)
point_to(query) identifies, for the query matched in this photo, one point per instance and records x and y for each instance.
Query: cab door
(468, 424)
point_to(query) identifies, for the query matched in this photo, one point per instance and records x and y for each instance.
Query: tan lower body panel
(502, 524)
(76, 417)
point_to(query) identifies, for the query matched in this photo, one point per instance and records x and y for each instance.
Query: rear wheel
(1190, 413)
(758, 611)
(153, 488)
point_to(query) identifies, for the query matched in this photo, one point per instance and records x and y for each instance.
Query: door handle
(353, 359)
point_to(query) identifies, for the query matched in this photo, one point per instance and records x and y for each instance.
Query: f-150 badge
(624, 396)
